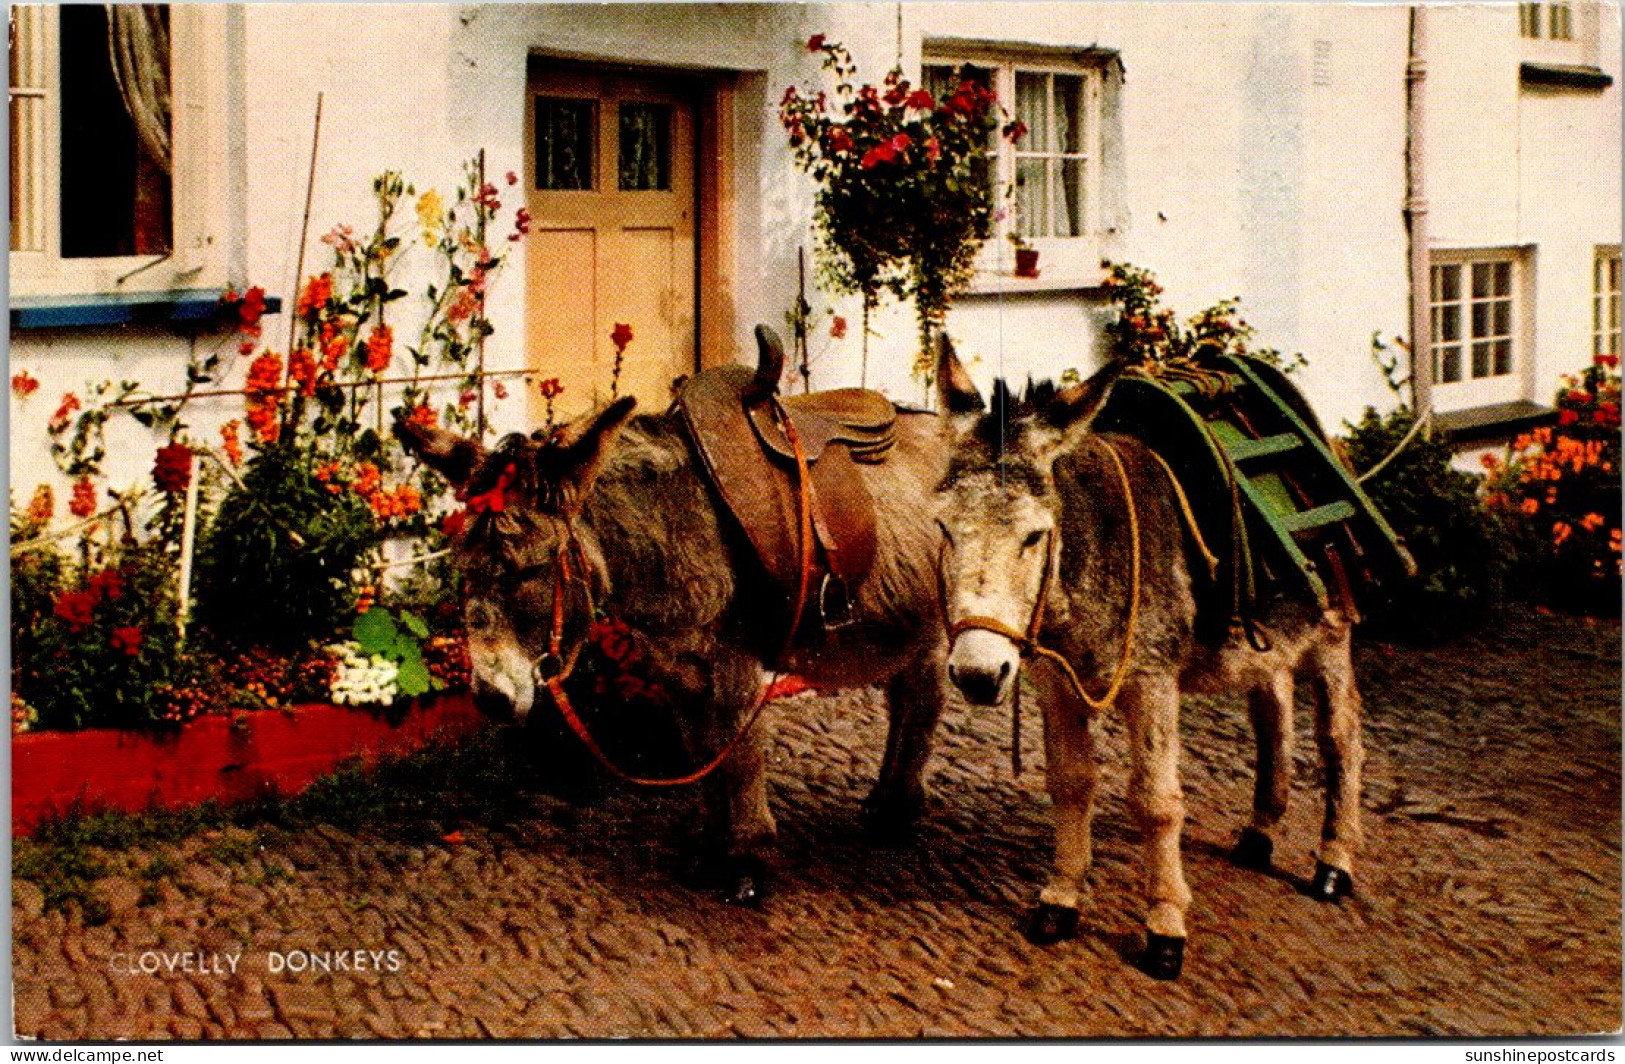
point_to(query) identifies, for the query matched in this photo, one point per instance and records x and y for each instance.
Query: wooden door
(611, 188)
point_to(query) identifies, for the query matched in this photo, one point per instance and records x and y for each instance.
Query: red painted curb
(103, 769)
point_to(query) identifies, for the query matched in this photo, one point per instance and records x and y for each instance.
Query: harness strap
(1027, 642)
(555, 681)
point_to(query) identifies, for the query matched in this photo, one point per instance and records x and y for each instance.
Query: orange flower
(335, 345)
(380, 348)
(64, 412)
(1561, 531)
(423, 417)
(23, 384)
(302, 371)
(1529, 506)
(1591, 522)
(318, 290)
(263, 392)
(83, 503)
(230, 442)
(42, 507)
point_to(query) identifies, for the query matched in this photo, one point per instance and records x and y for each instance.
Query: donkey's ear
(452, 456)
(589, 445)
(1071, 413)
(956, 392)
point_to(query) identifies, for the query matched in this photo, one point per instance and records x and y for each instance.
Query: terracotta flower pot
(1026, 262)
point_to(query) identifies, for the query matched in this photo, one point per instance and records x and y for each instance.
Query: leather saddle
(738, 423)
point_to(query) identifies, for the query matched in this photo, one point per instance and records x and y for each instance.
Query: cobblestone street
(1488, 893)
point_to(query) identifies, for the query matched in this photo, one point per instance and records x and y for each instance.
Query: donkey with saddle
(1083, 551)
(739, 534)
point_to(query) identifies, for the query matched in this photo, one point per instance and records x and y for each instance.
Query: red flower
(495, 500)
(837, 327)
(920, 100)
(521, 224)
(127, 640)
(1015, 131)
(252, 308)
(551, 388)
(839, 141)
(466, 399)
(933, 149)
(23, 384)
(487, 198)
(1567, 417)
(499, 389)
(621, 336)
(64, 412)
(172, 468)
(380, 346)
(454, 523)
(75, 609)
(1609, 360)
(83, 503)
(454, 838)
(512, 178)
(107, 584)
(815, 43)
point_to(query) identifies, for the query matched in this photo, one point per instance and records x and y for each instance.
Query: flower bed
(215, 757)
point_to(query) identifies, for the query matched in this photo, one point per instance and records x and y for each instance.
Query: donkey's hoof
(745, 882)
(890, 823)
(1164, 956)
(1331, 884)
(1253, 850)
(1051, 923)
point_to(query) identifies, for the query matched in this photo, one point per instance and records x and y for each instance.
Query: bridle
(1027, 641)
(554, 667)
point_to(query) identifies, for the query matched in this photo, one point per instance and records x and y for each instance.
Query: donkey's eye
(1032, 540)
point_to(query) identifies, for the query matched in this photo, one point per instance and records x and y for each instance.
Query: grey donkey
(664, 560)
(1036, 509)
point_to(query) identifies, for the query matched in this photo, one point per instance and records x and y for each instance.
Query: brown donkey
(626, 495)
(1070, 541)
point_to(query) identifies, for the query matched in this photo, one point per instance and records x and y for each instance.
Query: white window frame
(1551, 20)
(1605, 307)
(1579, 48)
(199, 212)
(1506, 387)
(1075, 257)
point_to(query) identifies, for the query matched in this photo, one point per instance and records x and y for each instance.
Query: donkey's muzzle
(981, 686)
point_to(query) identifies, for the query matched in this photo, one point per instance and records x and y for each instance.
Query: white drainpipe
(1416, 214)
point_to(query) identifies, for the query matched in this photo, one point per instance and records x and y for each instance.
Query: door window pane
(645, 150)
(564, 143)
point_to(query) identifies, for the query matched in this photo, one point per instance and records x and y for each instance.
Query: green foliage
(398, 638)
(1148, 333)
(278, 561)
(1461, 550)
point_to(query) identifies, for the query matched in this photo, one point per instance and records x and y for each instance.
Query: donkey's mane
(995, 443)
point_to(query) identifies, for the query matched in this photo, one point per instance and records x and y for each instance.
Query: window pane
(1069, 204)
(1069, 125)
(115, 123)
(645, 147)
(1501, 320)
(1529, 19)
(1503, 357)
(1447, 364)
(564, 142)
(1501, 278)
(1032, 107)
(1481, 320)
(1562, 22)
(1481, 280)
(1031, 181)
(1481, 359)
(1447, 322)
(1446, 283)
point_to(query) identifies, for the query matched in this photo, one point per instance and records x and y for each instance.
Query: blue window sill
(190, 306)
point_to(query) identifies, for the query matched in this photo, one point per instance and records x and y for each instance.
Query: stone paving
(1489, 895)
